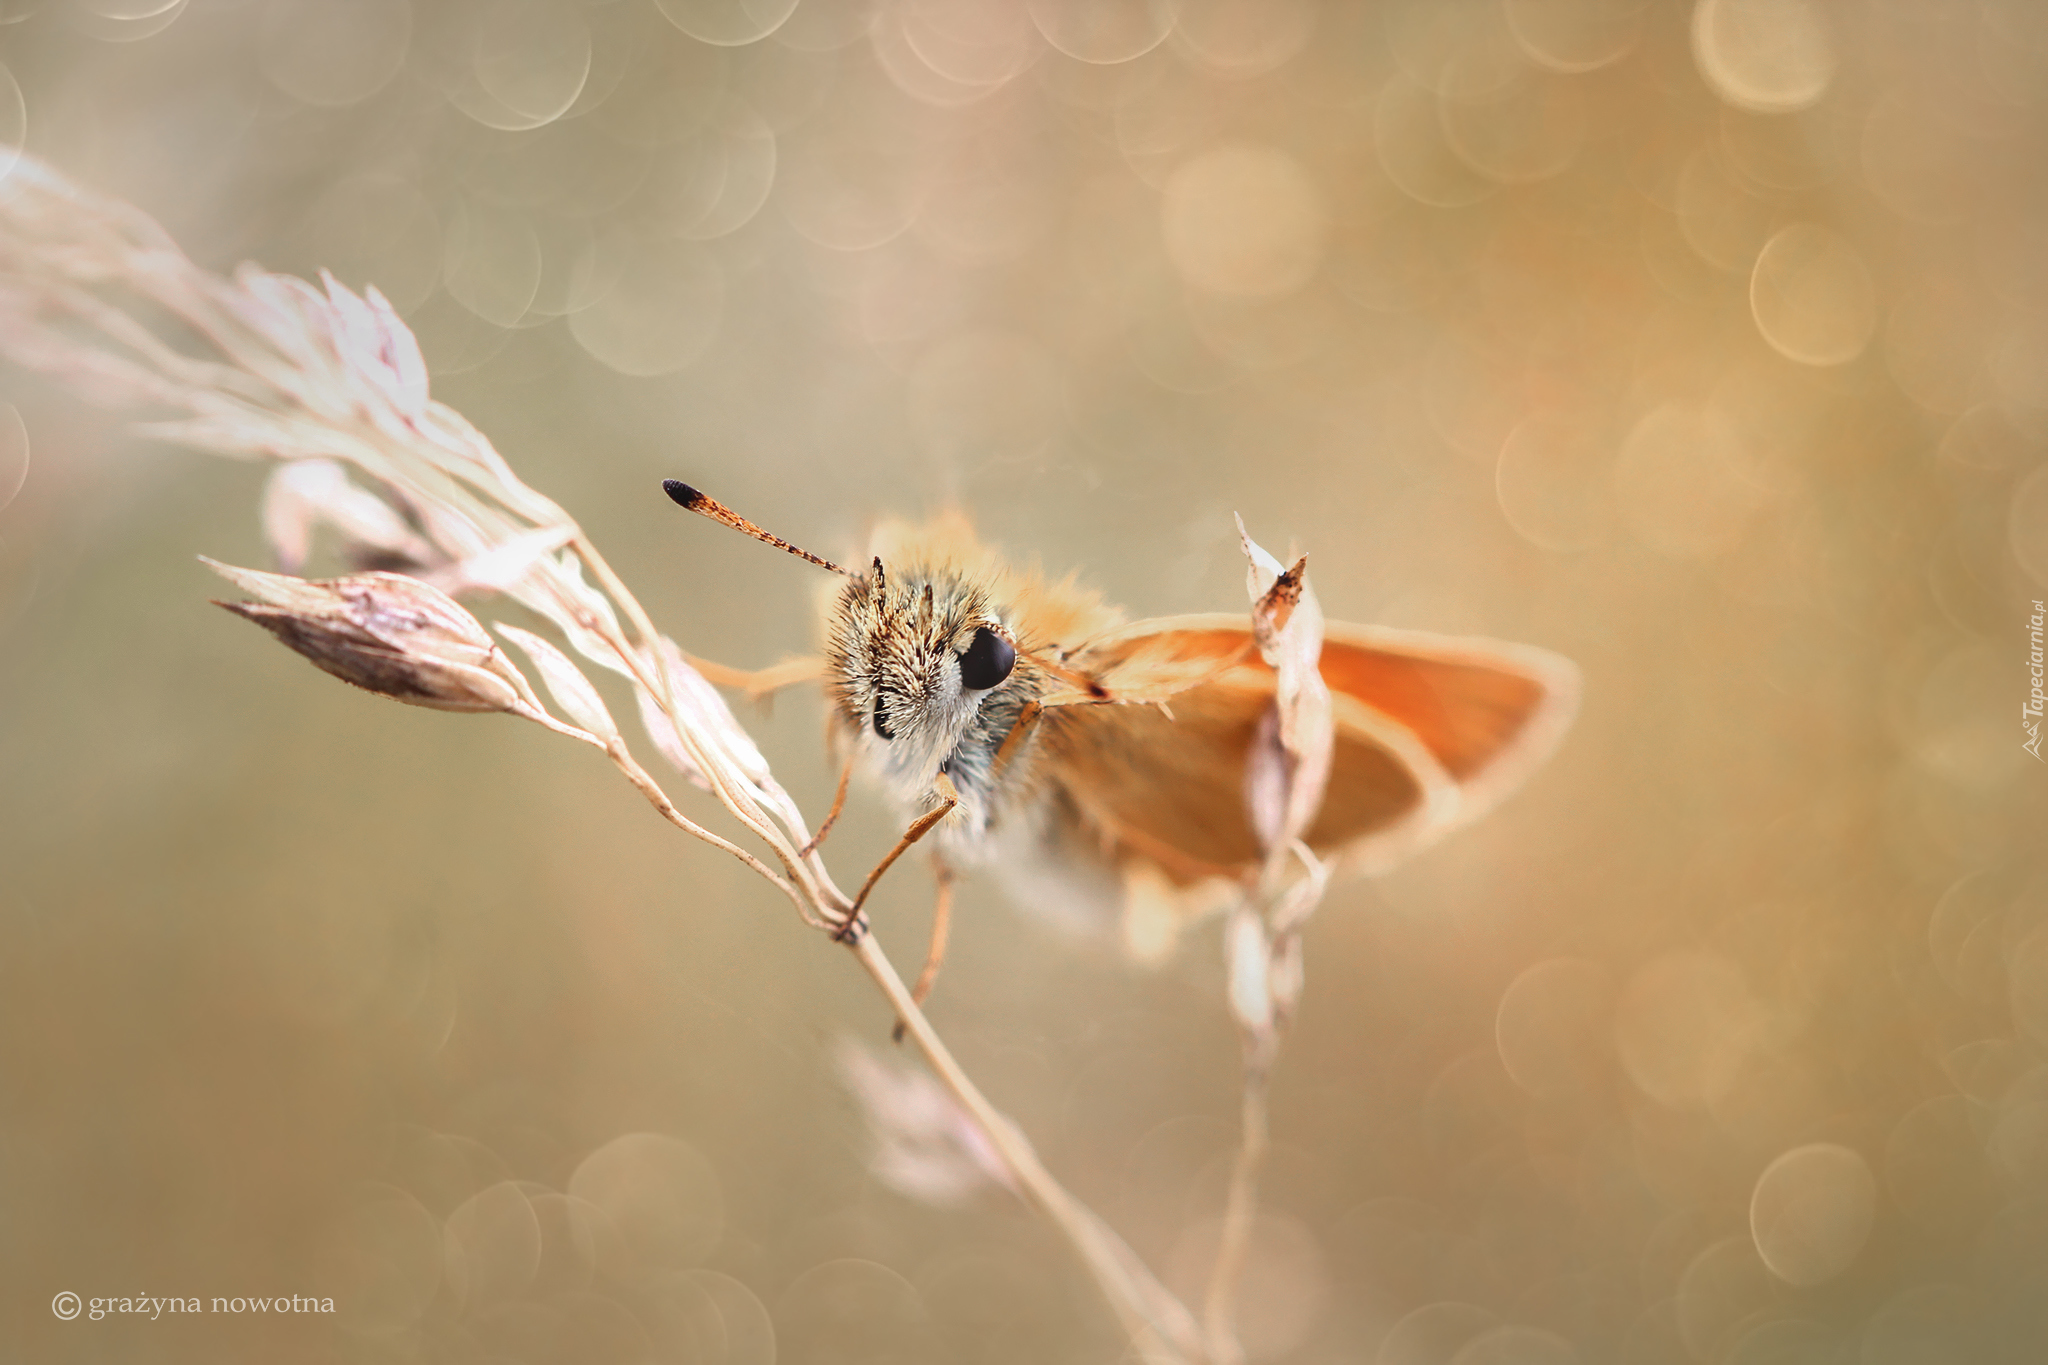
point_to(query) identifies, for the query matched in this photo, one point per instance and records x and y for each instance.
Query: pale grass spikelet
(572, 692)
(372, 341)
(699, 708)
(663, 733)
(304, 495)
(503, 566)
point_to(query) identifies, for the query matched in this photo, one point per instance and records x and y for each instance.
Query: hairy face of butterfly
(911, 658)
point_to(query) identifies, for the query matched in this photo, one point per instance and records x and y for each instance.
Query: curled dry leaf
(388, 634)
(1273, 609)
(1289, 766)
(926, 1147)
(566, 683)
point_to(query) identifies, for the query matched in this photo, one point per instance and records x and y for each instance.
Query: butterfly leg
(920, 827)
(942, 920)
(838, 804)
(761, 683)
(1027, 719)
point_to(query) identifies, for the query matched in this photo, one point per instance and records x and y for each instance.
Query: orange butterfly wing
(1430, 731)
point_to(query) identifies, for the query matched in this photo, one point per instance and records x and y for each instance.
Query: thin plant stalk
(1240, 1211)
(1288, 769)
(1152, 1316)
(303, 377)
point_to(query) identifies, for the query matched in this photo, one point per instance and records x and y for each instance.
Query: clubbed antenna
(696, 501)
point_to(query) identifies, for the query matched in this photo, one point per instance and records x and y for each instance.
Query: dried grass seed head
(387, 634)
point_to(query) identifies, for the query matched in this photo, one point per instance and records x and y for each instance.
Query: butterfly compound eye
(987, 661)
(881, 720)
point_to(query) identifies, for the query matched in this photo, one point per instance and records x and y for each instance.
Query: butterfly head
(911, 656)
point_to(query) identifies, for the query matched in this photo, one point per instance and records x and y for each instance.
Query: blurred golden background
(1704, 343)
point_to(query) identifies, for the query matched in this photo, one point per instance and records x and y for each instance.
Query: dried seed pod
(388, 634)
